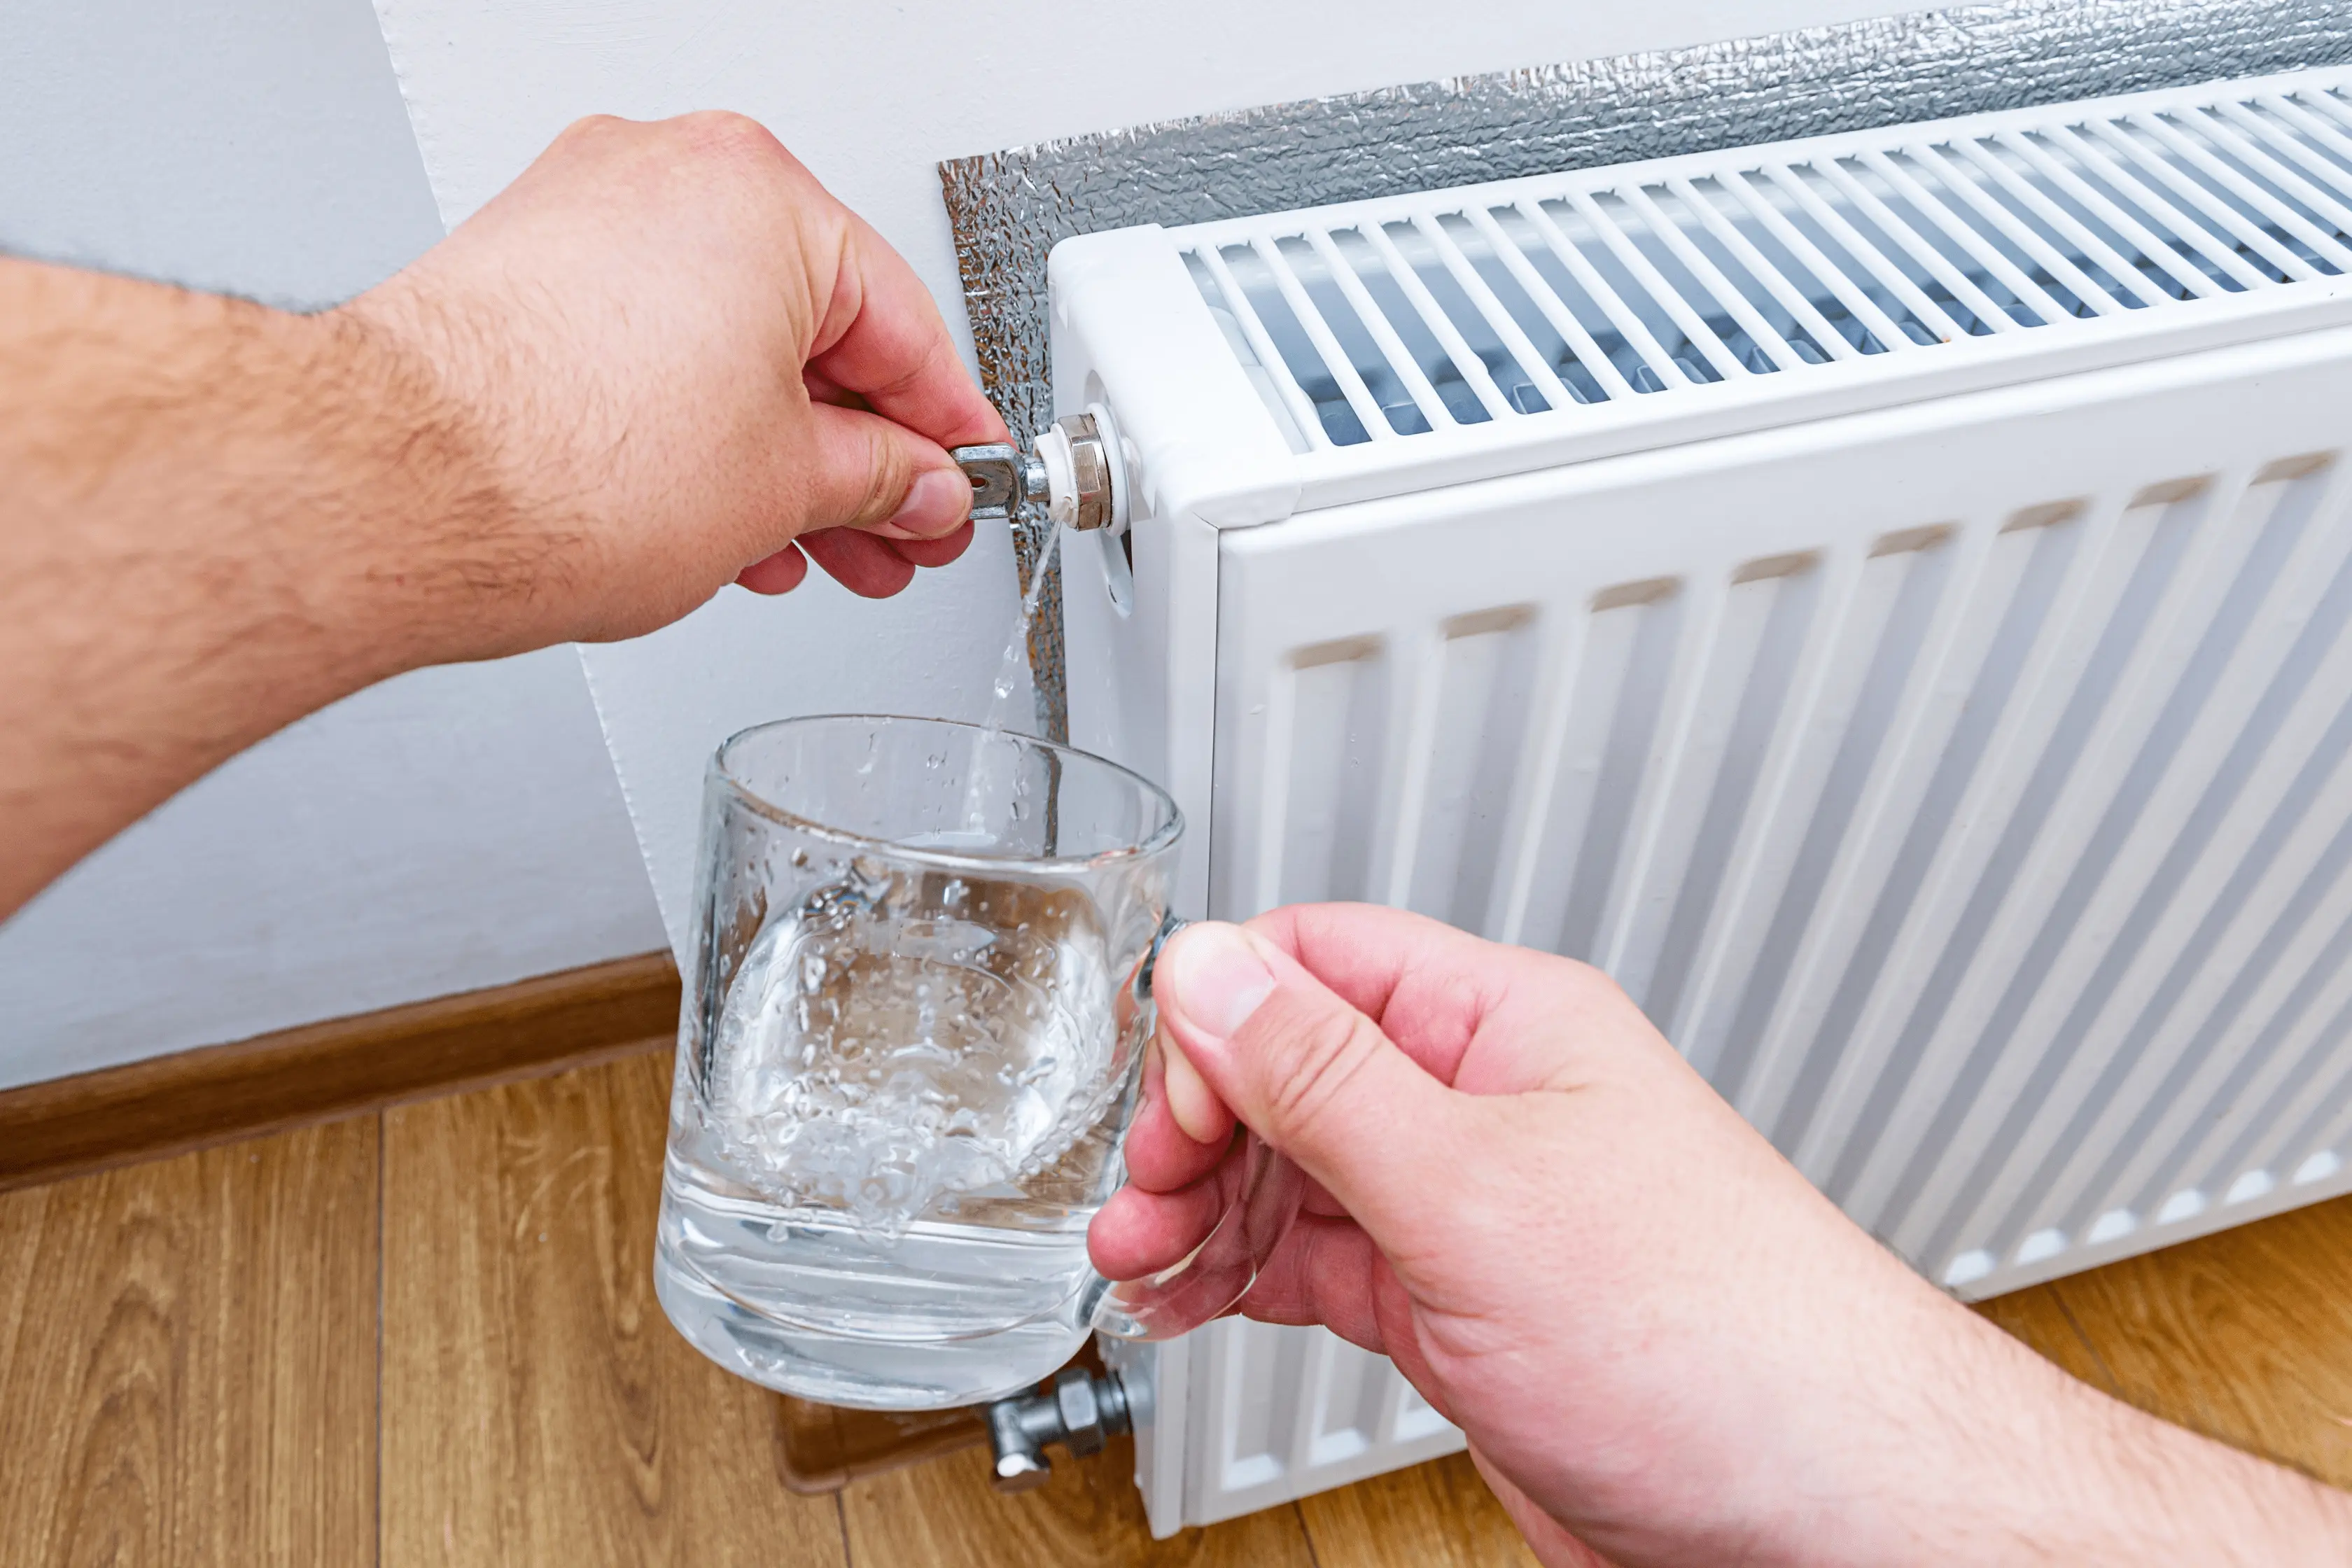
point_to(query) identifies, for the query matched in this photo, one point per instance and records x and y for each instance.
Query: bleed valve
(1071, 476)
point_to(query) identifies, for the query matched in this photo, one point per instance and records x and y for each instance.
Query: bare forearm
(2213, 1503)
(2011, 1461)
(576, 418)
(211, 509)
(2143, 1490)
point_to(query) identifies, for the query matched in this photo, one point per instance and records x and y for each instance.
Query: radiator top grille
(1645, 288)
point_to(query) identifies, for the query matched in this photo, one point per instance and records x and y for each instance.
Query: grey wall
(453, 829)
(257, 146)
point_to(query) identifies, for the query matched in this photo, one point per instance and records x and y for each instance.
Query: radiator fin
(1379, 322)
(1998, 868)
(1301, 1404)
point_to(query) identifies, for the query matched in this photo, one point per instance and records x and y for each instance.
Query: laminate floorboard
(189, 1353)
(944, 1514)
(1437, 1515)
(2036, 1317)
(537, 1407)
(2245, 1335)
(187, 1359)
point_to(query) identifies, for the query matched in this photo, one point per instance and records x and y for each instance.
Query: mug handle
(1216, 1275)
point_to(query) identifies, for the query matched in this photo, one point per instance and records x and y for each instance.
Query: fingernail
(1218, 981)
(935, 503)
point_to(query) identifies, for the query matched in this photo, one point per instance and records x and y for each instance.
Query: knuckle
(723, 133)
(1314, 1060)
(1583, 982)
(886, 483)
(588, 134)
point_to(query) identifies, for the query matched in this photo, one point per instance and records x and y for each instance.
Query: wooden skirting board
(321, 1071)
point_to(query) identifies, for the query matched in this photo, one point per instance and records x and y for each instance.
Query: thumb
(1303, 1069)
(874, 473)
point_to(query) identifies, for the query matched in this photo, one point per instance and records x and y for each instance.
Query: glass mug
(911, 1043)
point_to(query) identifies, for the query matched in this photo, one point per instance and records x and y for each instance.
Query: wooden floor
(428, 1337)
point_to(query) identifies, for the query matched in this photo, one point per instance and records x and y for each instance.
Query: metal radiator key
(1069, 478)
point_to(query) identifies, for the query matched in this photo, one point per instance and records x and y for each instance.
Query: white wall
(872, 96)
(459, 827)
(454, 829)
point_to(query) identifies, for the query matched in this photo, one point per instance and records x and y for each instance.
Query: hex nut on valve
(1077, 472)
(1085, 1409)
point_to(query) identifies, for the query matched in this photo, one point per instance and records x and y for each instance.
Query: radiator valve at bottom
(1081, 1412)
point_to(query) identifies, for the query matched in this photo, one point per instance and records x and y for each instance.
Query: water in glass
(909, 1053)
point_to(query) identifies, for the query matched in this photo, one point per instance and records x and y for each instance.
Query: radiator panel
(1977, 824)
(1980, 825)
(1281, 1412)
(1883, 598)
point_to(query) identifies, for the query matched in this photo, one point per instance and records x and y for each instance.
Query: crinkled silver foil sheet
(1010, 208)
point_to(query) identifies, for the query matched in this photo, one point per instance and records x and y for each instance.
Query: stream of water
(1016, 649)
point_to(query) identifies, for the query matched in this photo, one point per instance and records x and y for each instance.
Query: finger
(1434, 976)
(778, 573)
(939, 551)
(1137, 1234)
(1480, 1016)
(860, 563)
(1190, 1103)
(1314, 1076)
(822, 388)
(1322, 1273)
(1161, 1156)
(862, 470)
(882, 338)
(1313, 1199)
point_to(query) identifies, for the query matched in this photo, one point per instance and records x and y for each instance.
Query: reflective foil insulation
(1010, 208)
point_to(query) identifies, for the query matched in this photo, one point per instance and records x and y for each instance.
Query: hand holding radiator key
(1663, 1345)
(663, 360)
(676, 454)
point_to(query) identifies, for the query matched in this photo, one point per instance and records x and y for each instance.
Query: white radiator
(1881, 598)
